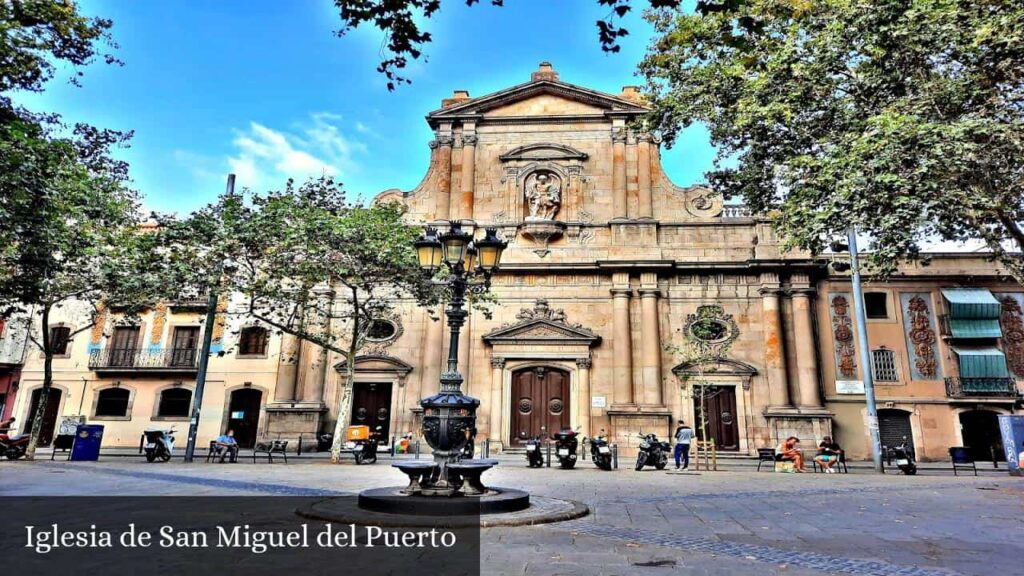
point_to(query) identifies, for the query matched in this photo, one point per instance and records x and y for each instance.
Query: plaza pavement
(734, 521)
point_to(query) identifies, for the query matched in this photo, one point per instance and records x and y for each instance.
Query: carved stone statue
(543, 196)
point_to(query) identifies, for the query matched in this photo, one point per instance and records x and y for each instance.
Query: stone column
(443, 153)
(622, 345)
(315, 357)
(463, 209)
(496, 409)
(643, 159)
(650, 340)
(774, 335)
(287, 369)
(619, 203)
(433, 345)
(583, 369)
(803, 328)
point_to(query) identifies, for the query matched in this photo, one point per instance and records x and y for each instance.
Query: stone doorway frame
(722, 372)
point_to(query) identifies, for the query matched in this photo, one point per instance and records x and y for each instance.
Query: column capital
(771, 291)
(469, 139)
(584, 362)
(622, 292)
(497, 362)
(650, 292)
(644, 137)
(803, 292)
(618, 136)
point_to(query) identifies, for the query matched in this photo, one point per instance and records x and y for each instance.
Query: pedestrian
(829, 453)
(226, 445)
(6, 425)
(790, 450)
(684, 434)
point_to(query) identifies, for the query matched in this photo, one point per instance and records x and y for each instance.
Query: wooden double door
(722, 425)
(371, 406)
(540, 399)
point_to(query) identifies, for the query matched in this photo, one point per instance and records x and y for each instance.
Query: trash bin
(87, 443)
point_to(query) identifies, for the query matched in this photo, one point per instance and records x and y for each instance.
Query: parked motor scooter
(157, 443)
(534, 449)
(653, 452)
(365, 450)
(566, 444)
(904, 457)
(601, 452)
(13, 447)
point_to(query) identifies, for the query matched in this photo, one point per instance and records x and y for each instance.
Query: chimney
(458, 97)
(631, 93)
(544, 72)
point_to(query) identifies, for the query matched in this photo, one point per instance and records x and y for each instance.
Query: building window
(60, 339)
(113, 402)
(253, 341)
(883, 363)
(381, 330)
(175, 403)
(876, 305)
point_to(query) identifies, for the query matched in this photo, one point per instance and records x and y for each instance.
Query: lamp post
(449, 417)
(862, 342)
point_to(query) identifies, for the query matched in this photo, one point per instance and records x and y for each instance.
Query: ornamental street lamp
(449, 417)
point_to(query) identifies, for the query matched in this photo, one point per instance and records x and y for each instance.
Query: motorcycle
(904, 457)
(601, 452)
(565, 447)
(365, 451)
(653, 452)
(157, 443)
(13, 447)
(534, 449)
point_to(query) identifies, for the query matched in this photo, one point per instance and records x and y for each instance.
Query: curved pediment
(543, 151)
(377, 363)
(716, 367)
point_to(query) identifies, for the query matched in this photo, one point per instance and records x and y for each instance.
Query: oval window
(381, 330)
(709, 330)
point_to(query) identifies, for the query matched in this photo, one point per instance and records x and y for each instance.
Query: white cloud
(263, 157)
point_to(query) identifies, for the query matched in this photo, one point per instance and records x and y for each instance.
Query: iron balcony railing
(144, 359)
(957, 387)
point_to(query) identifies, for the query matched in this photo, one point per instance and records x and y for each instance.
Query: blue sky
(266, 90)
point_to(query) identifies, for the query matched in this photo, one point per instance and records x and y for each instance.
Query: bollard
(995, 461)
(549, 454)
(486, 449)
(417, 449)
(615, 456)
(392, 450)
(583, 450)
(299, 452)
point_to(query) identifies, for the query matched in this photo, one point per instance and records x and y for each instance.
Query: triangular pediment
(541, 332)
(539, 98)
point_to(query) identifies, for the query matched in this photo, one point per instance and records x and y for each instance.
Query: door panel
(186, 341)
(244, 415)
(123, 345)
(371, 406)
(540, 397)
(723, 425)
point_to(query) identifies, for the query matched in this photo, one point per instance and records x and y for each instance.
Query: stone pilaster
(650, 340)
(315, 357)
(622, 345)
(583, 370)
(287, 369)
(432, 349)
(774, 348)
(442, 147)
(463, 209)
(803, 328)
(497, 410)
(619, 203)
(645, 192)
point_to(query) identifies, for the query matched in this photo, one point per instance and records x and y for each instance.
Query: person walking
(684, 434)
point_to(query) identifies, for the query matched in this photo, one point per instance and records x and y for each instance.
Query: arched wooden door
(244, 416)
(540, 398)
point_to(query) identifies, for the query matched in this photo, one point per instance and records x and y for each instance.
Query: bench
(766, 455)
(962, 459)
(271, 447)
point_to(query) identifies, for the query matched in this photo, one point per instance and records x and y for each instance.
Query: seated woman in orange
(790, 450)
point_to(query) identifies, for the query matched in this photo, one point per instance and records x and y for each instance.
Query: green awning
(981, 328)
(981, 362)
(972, 304)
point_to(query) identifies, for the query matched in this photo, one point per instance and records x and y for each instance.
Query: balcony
(131, 360)
(958, 387)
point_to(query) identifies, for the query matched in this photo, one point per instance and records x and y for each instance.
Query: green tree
(68, 233)
(904, 119)
(404, 38)
(304, 262)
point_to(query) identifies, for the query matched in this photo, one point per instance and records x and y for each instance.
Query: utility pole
(865, 353)
(204, 353)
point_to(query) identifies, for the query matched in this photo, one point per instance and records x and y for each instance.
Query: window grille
(883, 363)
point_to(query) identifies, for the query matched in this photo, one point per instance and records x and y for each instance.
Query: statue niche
(543, 193)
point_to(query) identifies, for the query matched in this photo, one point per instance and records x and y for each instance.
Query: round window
(709, 330)
(381, 330)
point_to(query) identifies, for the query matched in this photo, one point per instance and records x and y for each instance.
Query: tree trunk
(44, 393)
(345, 406)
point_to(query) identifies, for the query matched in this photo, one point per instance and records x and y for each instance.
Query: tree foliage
(404, 39)
(303, 261)
(904, 119)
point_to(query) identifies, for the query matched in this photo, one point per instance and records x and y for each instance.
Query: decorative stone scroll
(1012, 321)
(842, 333)
(920, 333)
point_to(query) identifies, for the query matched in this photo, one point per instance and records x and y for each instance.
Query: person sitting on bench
(790, 450)
(828, 454)
(225, 444)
